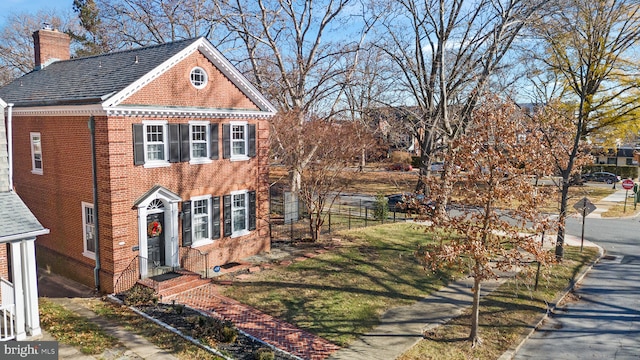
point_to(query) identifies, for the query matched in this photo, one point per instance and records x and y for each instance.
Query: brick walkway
(278, 333)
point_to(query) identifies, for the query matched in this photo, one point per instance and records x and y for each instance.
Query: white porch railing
(7, 309)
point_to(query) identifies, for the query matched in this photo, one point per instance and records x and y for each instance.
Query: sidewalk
(73, 296)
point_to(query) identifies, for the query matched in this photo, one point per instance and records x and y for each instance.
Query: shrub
(209, 328)
(381, 207)
(264, 354)
(401, 157)
(140, 295)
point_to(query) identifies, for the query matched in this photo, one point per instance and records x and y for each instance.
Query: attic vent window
(198, 78)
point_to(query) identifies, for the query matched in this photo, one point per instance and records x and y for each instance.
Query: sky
(7, 6)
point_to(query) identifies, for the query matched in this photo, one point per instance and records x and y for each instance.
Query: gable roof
(109, 78)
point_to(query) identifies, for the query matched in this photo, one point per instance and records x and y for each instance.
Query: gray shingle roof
(15, 217)
(88, 80)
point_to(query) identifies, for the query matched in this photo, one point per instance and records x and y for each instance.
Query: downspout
(96, 270)
(10, 143)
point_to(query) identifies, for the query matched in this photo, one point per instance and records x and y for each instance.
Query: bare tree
(295, 52)
(131, 23)
(590, 45)
(16, 46)
(499, 151)
(446, 53)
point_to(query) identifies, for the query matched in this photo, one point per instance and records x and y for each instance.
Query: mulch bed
(244, 348)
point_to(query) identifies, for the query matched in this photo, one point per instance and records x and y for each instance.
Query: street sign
(627, 184)
(584, 207)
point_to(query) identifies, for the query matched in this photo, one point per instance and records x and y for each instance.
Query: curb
(510, 353)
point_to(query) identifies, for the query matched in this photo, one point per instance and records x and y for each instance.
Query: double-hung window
(151, 143)
(88, 230)
(239, 213)
(36, 153)
(200, 220)
(239, 140)
(199, 142)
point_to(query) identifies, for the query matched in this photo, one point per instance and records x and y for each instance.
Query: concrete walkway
(73, 297)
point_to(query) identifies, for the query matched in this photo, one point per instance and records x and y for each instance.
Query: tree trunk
(475, 313)
(562, 217)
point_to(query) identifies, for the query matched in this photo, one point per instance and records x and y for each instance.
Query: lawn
(341, 294)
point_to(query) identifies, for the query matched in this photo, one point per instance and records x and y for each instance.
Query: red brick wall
(4, 261)
(219, 92)
(50, 44)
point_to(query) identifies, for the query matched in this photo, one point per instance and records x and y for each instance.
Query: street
(604, 322)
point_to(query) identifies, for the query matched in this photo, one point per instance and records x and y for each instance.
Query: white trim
(245, 231)
(86, 252)
(200, 242)
(207, 158)
(34, 169)
(218, 60)
(138, 111)
(165, 144)
(27, 235)
(170, 202)
(204, 74)
(2, 103)
(245, 132)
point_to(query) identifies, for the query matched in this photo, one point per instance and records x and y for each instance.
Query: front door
(155, 240)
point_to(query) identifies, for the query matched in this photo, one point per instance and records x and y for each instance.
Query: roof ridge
(133, 50)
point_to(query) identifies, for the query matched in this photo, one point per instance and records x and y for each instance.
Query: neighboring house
(18, 230)
(180, 153)
(622, 156)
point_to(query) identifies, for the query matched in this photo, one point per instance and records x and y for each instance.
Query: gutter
(31, 234)
(10, 143)
(96, 270)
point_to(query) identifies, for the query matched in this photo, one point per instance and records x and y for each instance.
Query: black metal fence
(294, 223)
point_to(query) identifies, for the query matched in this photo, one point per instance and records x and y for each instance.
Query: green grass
(342, 293)
(71, 329)
(506, 315)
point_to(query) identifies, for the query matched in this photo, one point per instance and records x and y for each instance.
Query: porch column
(18, 293)
(30, 285)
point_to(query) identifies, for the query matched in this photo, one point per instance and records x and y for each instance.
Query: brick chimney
(50, 45)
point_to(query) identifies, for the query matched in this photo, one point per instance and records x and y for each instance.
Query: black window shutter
(213, 138)
(186, 223)
(252, 140)
(226, 141)
(185, 153)
(174, 143)
(215, 217)
(138, 144)
(226, 202)
(252, 210)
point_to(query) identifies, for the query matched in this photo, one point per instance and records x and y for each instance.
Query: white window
(88, 230)
(156, 147)
(199, 141)
(239, 213)
(36, 153)
(201, 220)
(238, 140)
(198, 77)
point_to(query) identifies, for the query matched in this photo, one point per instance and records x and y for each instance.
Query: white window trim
(35, 170)
(201, 242)
(244, 157)
(207, 158)
(87, 253)
(165, 140)
(205, 81)
(245, 231)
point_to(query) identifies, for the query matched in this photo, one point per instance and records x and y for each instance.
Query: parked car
(601, 176)
(437, 166)
(400, 167)
(409, 202)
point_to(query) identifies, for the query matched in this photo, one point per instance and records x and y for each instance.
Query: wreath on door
(154, 229)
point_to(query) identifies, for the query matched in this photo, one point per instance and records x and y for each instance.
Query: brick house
(18, 231)
(178, 139)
